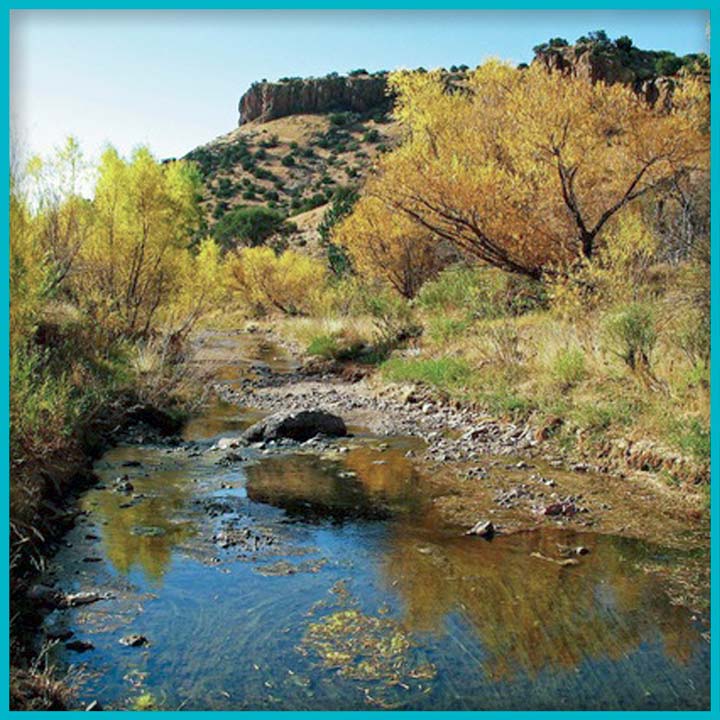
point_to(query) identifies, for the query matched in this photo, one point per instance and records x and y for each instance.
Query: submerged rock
(79, 646)
(299, 426)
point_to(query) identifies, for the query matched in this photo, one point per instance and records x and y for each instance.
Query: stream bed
(319, 577)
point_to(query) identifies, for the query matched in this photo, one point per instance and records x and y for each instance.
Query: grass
(447, 373)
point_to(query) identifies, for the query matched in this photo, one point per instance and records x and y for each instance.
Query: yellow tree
(291, 282)
(145, 216)
(385, 244)
(62, 217)
(523, 169)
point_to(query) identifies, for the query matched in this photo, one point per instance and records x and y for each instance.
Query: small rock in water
(79, 646)
(134, 640)
(131, 463)
(483, 528)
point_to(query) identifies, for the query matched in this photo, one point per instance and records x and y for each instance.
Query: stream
(320, 577)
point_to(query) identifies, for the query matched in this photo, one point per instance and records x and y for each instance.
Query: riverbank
(511, 473)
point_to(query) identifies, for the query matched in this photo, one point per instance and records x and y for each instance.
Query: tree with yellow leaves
(389, 245)
(523, 169)
(291, 282)
(145, 214)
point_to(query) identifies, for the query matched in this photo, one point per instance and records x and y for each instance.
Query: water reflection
(531, 614)
(143, 528)
(365, 484)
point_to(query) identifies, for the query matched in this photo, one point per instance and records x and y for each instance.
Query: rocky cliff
(267, 101)
(608, 64)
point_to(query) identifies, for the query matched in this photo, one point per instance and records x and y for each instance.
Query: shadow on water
(357, 597)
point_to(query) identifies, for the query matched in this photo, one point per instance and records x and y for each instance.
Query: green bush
(630, 334)
(443, 329)
(568, 367)
(247, 225)
(481, 292)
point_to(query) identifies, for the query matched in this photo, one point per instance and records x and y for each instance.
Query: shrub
(250, 226)
(291, 282)
(568, 367)
(503, 342)
(692, 437)
(631, 335)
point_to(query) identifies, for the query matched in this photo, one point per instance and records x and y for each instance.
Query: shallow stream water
(324, 579)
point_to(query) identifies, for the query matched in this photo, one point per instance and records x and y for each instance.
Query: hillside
(299, 140)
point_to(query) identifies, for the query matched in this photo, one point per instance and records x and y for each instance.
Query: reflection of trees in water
(153, 553)
(531, 614)
(308, 485)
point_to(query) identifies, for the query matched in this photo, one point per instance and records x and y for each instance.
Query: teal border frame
(712, 6)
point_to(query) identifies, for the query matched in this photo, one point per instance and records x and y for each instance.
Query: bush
(568, 367)
(481, 292)
(630, 334)
(392, 317)
(250, 226)
(291, 282)
(692, 437)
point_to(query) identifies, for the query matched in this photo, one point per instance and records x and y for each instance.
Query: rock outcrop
(267, 101)
(299, 426)
(596, 67)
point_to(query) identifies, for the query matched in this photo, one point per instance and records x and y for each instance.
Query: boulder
(299, 426)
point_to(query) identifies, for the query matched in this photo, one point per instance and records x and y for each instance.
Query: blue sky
(172, 80)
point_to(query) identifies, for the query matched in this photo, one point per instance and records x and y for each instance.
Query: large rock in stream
(300, 426)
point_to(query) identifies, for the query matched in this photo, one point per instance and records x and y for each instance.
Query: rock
(226, 443)
(567, 508)
(85, 598)
(300, 426)
(79, 646)
(569, 550)
(483, 528)
(45, 596)
(147, 531)
(131, 464)
(123, 484)
(266, 101)
(134, 640)
(60, 635)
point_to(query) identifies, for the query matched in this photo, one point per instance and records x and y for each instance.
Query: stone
(299, 426)
(79, 646)
(133, 640)
(482, 528)
(267, 101)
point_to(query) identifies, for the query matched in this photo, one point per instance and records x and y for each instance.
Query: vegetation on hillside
(548, 241)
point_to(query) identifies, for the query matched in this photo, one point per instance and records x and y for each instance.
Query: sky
(172, 79)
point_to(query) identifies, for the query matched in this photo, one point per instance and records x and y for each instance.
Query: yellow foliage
(387, 245)
(291, 282)
(618, 272)
(133, 261)
(525, 168)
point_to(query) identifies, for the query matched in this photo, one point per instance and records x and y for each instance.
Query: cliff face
(599, 67)
(267, 101)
